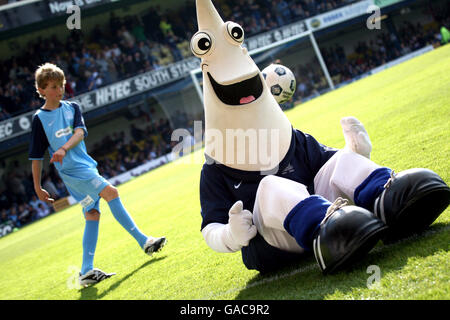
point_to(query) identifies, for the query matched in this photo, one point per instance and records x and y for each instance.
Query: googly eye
(235, 31)
(201, 43)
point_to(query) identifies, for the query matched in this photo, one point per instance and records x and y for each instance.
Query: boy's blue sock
(122, 216)
(89, 244)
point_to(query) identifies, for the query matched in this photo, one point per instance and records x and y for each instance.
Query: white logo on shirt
(236, 186)
(63, 132)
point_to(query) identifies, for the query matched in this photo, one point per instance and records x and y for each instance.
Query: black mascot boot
(346, 234)
(411, 201)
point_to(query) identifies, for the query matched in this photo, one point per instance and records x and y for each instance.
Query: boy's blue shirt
(51, 129)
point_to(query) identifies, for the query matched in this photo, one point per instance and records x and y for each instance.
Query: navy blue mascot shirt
(221, 187)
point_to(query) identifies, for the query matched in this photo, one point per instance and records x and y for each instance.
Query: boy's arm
(76, 138)
(36, 169)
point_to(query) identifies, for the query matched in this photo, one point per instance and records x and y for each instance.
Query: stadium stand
(134, 44)
(366, 56)
(2, 2)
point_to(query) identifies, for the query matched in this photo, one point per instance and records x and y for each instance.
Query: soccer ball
(281, 82)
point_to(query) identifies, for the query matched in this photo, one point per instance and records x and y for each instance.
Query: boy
(59, 127)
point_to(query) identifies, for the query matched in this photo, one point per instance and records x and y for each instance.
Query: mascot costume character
(274, 192)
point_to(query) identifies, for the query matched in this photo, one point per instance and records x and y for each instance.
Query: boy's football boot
(93, 276)
(154, 245)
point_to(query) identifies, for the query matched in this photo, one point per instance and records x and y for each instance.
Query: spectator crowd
(18, 201)
(366, 55)
(116, 155)
(2, 2)
(130, 45)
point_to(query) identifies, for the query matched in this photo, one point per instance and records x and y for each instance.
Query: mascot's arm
(233, 236)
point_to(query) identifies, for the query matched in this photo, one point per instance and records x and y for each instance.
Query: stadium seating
(83, 55)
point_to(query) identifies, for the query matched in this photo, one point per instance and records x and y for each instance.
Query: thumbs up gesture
(241, 224)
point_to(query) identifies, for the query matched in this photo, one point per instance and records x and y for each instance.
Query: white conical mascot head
(245, 127)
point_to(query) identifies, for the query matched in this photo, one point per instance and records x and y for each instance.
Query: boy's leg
(149, 244)
(90, 275)
(92, 216)
(111, 195)
(90, 240)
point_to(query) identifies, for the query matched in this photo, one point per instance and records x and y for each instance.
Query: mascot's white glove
(356, 137)
(233, 236)
(241, 224)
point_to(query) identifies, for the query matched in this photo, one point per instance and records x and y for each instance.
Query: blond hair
(48, 72)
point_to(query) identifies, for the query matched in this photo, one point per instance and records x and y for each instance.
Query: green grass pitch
(406, 111)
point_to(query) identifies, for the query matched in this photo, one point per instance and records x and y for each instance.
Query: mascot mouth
(239, 93)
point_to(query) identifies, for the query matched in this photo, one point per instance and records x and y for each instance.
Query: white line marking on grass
(314, 265)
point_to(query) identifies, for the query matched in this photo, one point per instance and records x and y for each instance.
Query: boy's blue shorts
(85, 187)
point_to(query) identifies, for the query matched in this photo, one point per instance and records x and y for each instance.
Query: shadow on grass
(90, 293)
(305, 280)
